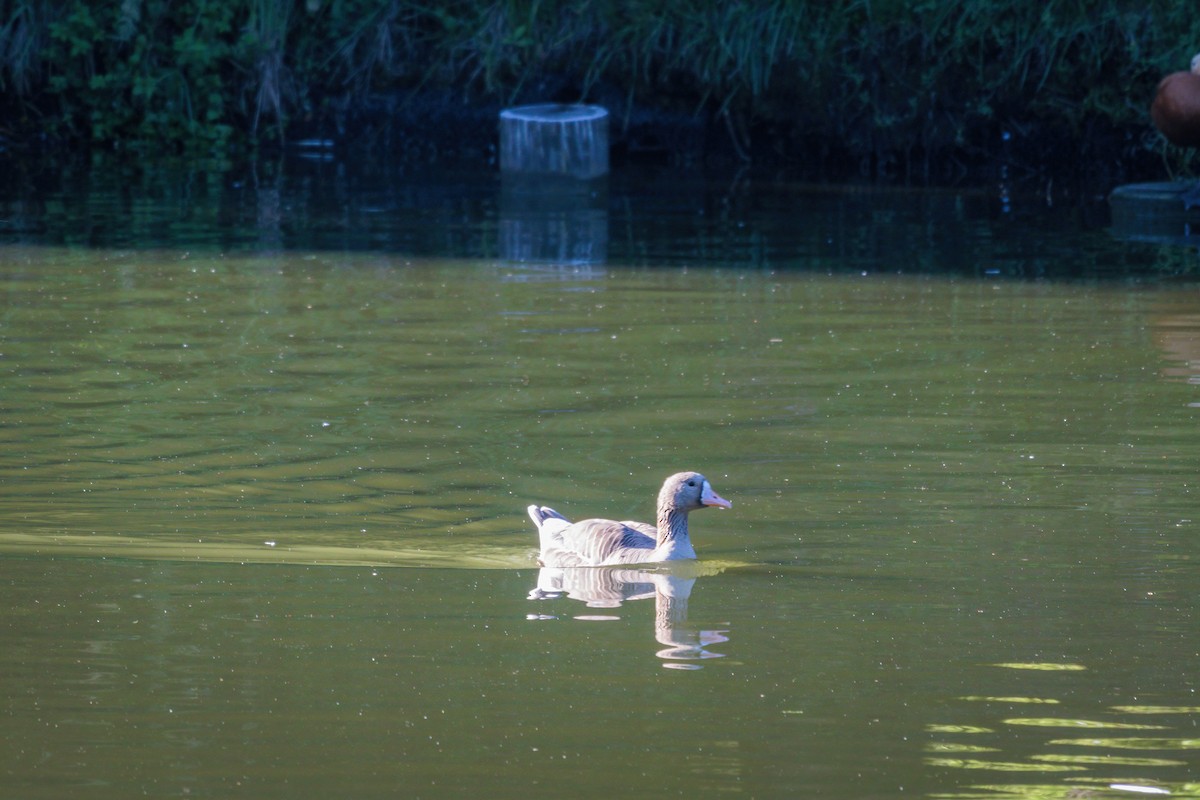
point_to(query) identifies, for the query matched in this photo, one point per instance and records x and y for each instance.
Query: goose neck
(672, 525)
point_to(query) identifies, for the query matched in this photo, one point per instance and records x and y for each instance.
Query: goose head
(688, 491)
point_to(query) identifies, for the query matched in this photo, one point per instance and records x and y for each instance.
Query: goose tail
(539, 515)
(550, 524)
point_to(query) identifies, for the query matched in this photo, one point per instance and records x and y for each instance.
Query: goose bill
(710, 498)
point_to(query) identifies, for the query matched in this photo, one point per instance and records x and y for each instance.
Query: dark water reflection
(638, 216)
(264, 472)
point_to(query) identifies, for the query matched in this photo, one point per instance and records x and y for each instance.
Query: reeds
(883, 83)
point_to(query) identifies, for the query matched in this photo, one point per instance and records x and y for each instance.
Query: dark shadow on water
(640, 217)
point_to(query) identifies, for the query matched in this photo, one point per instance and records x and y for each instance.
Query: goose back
(604, 541)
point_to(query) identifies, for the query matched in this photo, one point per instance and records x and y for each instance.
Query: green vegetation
(886, 84)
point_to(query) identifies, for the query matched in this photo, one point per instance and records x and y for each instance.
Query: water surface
(262, 527)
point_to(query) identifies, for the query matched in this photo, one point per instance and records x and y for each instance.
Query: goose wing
(606, 541)
(645, 527)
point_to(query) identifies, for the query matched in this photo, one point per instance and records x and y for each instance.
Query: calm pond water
(267, 448)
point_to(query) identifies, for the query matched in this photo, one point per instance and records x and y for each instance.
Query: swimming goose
(601, 542)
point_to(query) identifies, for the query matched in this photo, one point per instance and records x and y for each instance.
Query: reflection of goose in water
(604, 542)
(609, 588)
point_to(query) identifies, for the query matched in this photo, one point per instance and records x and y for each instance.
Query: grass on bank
(884, 84)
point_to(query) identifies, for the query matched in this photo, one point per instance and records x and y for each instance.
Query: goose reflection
(603, 588)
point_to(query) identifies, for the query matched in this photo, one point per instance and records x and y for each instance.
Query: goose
(1176, 107)
(603, 542)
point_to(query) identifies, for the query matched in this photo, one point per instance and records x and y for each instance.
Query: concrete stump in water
(554, 194)
(554, 139)
(1156, 212)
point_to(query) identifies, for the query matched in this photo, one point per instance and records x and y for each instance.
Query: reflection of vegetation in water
(1000, 766)
(1111, 761)
(1133, 743)
(1044, 667)
(1158, 709)
(1052, 722)
(888, 83)
(1084, 771)
(1032, 700)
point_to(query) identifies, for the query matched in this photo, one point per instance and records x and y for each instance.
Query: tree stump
(554, 139)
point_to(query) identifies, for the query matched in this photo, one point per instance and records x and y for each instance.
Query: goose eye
(691, 483)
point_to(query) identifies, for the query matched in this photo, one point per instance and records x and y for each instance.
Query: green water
(262, 526)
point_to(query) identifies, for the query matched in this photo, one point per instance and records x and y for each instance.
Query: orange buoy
(1176, 107)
